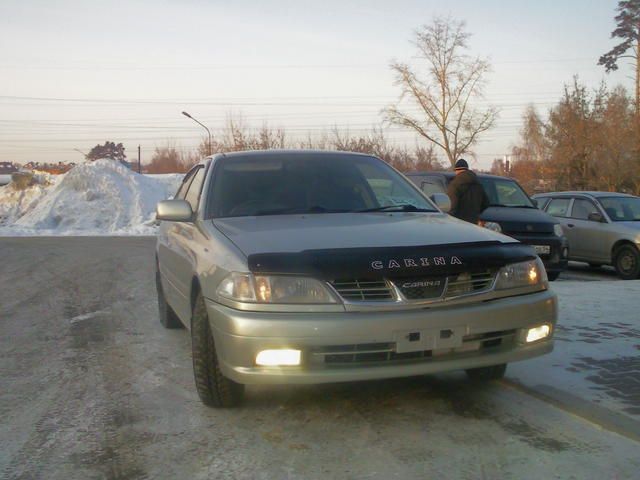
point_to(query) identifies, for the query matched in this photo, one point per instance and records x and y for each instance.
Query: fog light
(538, 333)
(273, 358)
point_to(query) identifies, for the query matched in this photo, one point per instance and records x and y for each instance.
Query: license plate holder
(542, 249)
(429, 339)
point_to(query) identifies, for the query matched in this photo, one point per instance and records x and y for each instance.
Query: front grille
(383, 353)
(363, 290)
(414, 289)
(421, 288)
(468, 283)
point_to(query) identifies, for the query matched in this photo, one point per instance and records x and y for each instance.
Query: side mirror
(174, 211)
(596, 217)
(442, 201)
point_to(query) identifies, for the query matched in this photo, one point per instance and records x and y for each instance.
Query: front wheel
(627, 262)
(214, 389)
(486, 374)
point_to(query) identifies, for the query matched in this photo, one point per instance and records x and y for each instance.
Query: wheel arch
(193, 291)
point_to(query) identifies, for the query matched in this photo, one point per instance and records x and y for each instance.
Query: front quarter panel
(216, 259)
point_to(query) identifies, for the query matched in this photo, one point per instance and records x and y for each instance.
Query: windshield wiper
(404, 207)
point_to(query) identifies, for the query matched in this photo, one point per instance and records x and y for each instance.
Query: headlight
(523, 274)
(493, 226)
(557, 229)
(244, 287)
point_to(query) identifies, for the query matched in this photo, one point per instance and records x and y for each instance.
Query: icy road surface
(93, 387)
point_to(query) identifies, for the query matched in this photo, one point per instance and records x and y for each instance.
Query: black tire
(486, 374)
(553, 276)
(168, 317)
(214, 389)
(627, 262)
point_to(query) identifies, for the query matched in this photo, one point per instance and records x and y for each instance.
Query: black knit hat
(462, 165)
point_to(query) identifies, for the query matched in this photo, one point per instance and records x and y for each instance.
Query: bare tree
(445, 91)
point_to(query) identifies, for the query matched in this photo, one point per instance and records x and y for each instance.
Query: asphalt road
(93, 387)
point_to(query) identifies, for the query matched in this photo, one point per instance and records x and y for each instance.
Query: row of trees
(237, 136)
(590, 141)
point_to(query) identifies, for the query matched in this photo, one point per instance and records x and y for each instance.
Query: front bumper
(240, 335)
(557, 259)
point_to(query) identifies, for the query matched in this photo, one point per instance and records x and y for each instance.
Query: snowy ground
(597, 351)
(98, 198)
(92, 386)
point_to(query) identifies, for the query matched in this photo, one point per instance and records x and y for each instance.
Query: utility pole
(139, 164)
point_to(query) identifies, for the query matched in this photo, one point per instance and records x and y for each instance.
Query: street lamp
(202, 125)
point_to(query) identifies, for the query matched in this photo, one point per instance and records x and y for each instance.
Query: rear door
(560, 207)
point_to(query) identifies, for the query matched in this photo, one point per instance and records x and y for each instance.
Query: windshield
(309, 183)
(505, 193)
(622, 209)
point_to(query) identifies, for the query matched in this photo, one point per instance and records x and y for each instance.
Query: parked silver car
(602, 227)
(311, 267)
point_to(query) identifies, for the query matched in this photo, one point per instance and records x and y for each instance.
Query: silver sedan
(603, 228)
(312, 267)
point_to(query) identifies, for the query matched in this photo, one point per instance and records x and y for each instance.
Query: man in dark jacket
(468, 198)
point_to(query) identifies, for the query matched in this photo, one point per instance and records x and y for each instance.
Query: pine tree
(108, 150)
(627, 29)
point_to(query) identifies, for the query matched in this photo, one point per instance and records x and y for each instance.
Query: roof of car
(452, 174)
(589, 193)
(282, 152)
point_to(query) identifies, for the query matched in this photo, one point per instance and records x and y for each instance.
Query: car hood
(512, 219)
(296, 233)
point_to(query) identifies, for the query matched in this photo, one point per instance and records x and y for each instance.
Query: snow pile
(15, 202)
(98, 198)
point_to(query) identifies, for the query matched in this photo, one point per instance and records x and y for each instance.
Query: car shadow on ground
(438, 401)
(585, 272)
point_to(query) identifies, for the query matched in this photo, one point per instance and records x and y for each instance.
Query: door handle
(570, 225)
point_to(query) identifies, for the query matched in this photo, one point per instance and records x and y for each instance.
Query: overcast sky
(77, 73)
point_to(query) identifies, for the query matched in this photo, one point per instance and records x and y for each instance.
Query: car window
(559, 207)
(622, 209)
(307, 183)
(193, 192)
(542, 202)
(431, 185)
(582, 208)
(505, 193)
(182, 189)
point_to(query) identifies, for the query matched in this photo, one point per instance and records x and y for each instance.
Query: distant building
(52, 168)
(7, 168)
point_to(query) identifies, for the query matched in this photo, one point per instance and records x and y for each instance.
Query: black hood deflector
(392, 262)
